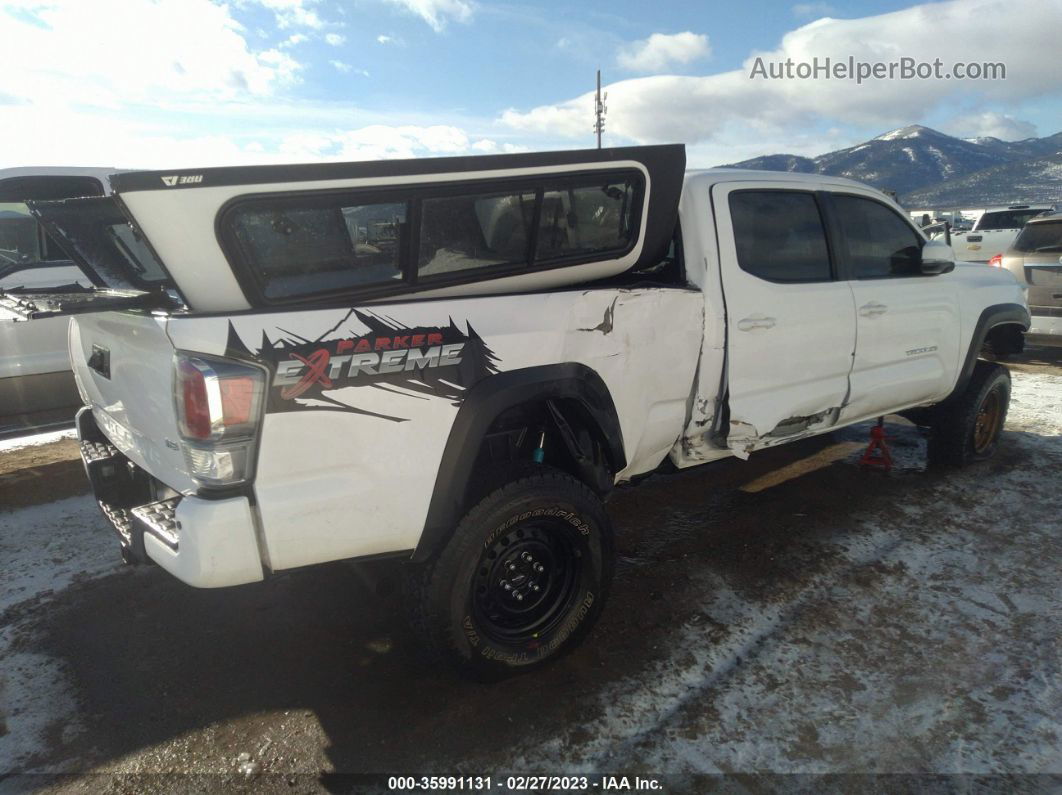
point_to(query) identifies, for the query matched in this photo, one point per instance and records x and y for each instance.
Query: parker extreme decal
(428, 361)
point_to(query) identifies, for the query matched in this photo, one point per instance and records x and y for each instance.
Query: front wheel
(521, 581)
(968, 429)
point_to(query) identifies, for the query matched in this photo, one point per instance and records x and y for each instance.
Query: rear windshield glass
(99, 238)
(295, 246)
(1007, 219)
(1045, 236)
(23, 242)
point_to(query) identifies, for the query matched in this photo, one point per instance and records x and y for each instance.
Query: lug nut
(518, 596)
(539, 567)
(526, 557)
(535, 587)
(512, 567)
(506, 585)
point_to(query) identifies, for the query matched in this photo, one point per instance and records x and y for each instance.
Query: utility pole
(599, 110)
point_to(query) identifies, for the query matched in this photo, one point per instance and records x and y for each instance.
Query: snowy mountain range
(928, 168)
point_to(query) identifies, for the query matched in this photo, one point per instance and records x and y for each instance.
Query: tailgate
(123, 362)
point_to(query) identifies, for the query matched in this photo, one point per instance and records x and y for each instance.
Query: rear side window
(299, 250)
(474, 231)
(300, 245)
(779, 235)
(1042, 236)
(584, 219)
(880, 243)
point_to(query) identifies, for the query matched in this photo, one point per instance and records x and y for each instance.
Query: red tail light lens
(192, 399)
(217, 399)
(238, 395)
(996, 261)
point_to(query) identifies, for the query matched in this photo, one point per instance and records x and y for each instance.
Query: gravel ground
(790, 614)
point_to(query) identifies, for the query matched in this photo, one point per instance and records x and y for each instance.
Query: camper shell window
(297, 246)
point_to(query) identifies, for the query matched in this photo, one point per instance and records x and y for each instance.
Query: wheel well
(502, 420)
(1005, 338)
(563, 434)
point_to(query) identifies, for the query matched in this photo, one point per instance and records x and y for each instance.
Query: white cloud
(662, 50)
(696, 109)
(293, 13)
(335, 39)
(294, 39)
(341, 66)
(437, 13)
(990, 124)
(812, 10)
(387, 142)
(383, 38)
(169, 49)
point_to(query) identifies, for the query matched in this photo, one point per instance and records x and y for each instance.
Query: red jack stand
(883, 460)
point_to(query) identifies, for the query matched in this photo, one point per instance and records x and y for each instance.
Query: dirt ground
(793, 614)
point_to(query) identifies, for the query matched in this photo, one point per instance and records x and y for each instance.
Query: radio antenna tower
(600, 109)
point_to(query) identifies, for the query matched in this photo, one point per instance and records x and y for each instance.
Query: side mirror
(937, 257)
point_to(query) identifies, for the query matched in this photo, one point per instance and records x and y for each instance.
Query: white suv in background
(36, 386)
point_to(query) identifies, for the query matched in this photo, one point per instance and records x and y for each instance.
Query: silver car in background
(1035, 259)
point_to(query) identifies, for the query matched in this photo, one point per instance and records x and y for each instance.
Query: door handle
(873, 309)
(755, 322)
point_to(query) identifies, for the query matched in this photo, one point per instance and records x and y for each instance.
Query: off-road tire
(458, 608)
(969, 425)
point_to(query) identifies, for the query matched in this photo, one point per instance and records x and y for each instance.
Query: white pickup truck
(455, 360)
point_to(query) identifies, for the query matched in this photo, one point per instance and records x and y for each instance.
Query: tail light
(219, 408)
(996, 261)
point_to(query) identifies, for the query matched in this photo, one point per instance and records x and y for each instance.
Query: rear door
(790, 322)
(907, 323)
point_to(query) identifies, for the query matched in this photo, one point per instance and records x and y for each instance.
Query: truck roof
(58, 171)
(724, 174)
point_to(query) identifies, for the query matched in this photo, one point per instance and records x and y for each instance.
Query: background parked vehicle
(1035, 259)
(36, 386)
(994, 231)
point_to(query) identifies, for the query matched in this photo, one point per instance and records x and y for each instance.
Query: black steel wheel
(521, 581)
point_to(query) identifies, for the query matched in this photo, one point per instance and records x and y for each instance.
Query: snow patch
(45, 548)
(37, 439)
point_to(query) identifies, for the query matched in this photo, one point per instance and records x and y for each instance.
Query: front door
(790, 322)
(907, 322)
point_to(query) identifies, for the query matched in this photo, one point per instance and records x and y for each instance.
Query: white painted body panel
(333, 484)
(32, 348)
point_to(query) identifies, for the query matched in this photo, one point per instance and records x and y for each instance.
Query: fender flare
(992, 316)
(481, 406)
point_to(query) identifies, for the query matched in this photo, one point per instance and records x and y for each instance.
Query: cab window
(779, 235)
(881, 244)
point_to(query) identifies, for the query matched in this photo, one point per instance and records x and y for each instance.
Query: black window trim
(412, 193)
(842, 238)
(828, 234)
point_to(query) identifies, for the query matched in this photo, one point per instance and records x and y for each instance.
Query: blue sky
(204, 82)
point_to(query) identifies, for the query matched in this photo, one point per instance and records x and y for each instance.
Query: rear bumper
(1045, 329)
(204, 543)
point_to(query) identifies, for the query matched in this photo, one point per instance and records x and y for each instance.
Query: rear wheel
(521, 581)
(968, 428)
